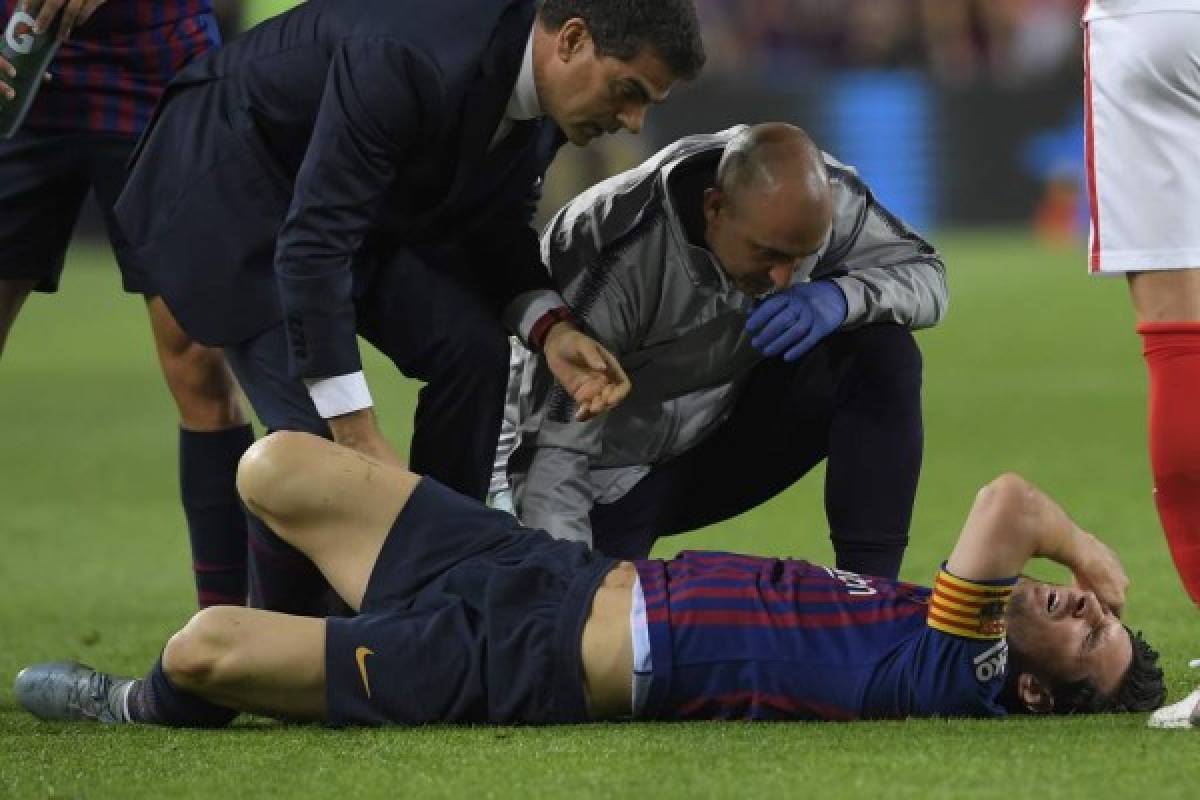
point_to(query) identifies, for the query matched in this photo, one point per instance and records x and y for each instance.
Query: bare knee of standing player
(334, 504)
(198, 378)
(12, 297)
(1166, 295)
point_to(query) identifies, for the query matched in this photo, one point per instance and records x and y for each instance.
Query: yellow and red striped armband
(965, 608)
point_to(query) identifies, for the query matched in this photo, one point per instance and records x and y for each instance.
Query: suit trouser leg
(436, 326)
(281, 578)
(876, 445)
(854, 399)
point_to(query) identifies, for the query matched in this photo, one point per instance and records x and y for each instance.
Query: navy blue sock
(215, 518)
(154, 700)
(282, 578)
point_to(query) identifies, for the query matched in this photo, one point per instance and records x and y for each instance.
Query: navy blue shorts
(44, 179)
(467, 617)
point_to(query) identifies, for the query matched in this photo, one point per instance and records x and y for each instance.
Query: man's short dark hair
(1142, 687)
(623, 28)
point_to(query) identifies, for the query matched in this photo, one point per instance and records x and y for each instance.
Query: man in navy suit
(372, 167)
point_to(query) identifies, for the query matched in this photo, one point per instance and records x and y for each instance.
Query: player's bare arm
(1012, 521)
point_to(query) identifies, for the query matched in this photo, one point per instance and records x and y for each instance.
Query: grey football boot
(65, 690)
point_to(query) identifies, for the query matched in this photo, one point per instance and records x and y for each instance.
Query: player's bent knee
(274, 474)
(192, 656)
(260, 471)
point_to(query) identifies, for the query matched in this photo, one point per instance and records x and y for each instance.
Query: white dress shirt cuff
(528, 308)
(340, 394)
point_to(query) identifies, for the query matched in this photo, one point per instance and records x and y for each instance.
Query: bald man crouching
(761, 301)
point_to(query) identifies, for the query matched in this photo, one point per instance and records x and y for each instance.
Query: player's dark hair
(623, 28)
(1142, 687)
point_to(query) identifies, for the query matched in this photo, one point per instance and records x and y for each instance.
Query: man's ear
(572, 37)
(1035, 695)
(714, 198)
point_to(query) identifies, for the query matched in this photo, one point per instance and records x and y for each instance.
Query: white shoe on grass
(1184, 714)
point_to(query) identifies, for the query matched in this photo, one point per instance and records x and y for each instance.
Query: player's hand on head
(790, 322)
(1100, 571)
(74, 13)
(590, 373)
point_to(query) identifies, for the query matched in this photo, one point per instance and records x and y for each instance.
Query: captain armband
(967, 608)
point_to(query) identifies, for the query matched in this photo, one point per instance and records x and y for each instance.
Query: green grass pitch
(1036, 369)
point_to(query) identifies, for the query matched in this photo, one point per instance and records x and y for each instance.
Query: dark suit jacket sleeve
(377, 97)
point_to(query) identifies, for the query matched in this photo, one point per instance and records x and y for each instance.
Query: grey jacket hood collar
(698, 263)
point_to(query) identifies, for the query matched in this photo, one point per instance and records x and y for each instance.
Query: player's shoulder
(958, 677)
(962, 656)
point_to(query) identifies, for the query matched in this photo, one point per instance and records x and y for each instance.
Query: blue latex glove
(791, 321)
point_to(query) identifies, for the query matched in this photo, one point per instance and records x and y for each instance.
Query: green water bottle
(30, 54)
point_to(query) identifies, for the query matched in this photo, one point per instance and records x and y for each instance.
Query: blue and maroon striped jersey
(741, 637)
(109, 75)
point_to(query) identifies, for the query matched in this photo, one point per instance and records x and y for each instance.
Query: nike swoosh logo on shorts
(360, 655)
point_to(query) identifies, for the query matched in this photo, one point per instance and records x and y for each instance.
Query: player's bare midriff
(607, 650)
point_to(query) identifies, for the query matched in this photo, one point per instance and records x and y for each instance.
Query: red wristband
(541, 328)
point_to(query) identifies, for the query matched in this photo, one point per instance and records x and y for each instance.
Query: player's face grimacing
(759, 241)
(589, 94)
(1069, 633)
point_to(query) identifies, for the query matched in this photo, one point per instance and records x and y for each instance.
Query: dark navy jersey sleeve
(956, 666)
